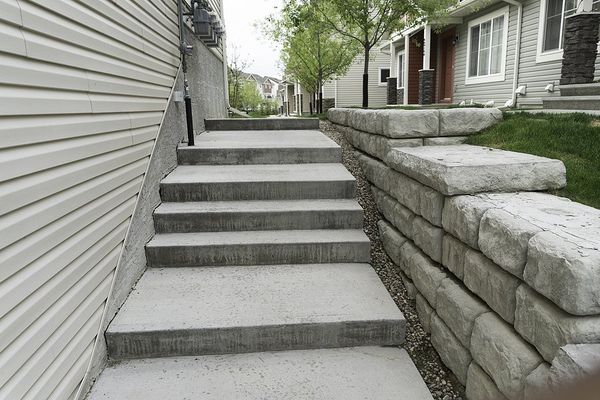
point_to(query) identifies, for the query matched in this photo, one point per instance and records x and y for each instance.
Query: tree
(366, 22)
(250, 98)
(236, 77)
(311, 51)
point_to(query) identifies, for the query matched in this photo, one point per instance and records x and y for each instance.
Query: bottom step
(376, 373)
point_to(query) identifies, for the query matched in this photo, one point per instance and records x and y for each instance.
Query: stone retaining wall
(508, 284)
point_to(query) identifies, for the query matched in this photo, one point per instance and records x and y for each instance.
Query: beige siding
(83, 88)
(349, 87)
(499, 92)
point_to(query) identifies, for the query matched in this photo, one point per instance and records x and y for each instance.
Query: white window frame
(379, 83)
(401, 73)
(501, 76)
(552, 55)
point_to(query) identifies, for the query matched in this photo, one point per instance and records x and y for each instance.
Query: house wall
(349, 87)
(83, 91)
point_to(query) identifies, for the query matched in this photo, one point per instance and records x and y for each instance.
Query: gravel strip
(440, 381)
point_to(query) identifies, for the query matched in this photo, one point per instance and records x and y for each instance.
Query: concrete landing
(217, 216)
(260, 147)
(193, 311)
(465, 169)
(333, 374)
(258, 248)
(257, 182)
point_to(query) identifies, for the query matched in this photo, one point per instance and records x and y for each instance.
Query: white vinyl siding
(349, 86)
(83, 88)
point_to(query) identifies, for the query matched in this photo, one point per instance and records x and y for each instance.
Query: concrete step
(572, 103)
(257, 182)
(224, 216)
(378, 373)
(258, 248)
(244, 309)
(261, 124)
(260, 147)
(585, 89)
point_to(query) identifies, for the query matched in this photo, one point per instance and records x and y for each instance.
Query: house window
(487, 48)
(553, 16)
(400, 70)
(384, 74)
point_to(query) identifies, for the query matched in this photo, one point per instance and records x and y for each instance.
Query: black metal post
(184, 49)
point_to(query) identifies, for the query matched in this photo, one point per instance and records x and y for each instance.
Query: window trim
(379, 83)
(501, 76)
(400, 54)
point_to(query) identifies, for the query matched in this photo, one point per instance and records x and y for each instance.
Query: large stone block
(462, 215)
(411, 123)
(465, 121)
(566, 269)
(424, 312)
(392, 241)
(465, 169)
(411, 289)
(444, 141)
(538, 383)
(454, 355)
(492, 284)
(459, 309)
(426, 276)
(548, 327)
(480, 386)
(375, 171)
(407, 252)
(404, 189)
(431, 205)
(504, 238)
(454, 253)
(339, 115)
(370, 121)
(400, 216)
(429, 238)
(503, 355)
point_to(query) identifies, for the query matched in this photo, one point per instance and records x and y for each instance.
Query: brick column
(426, 83)
(580, 48)
(391, 90)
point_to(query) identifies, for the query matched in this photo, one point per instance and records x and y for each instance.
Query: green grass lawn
(572, 138)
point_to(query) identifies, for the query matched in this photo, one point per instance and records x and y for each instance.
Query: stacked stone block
(507, 283)
(580, 48)
(392, 91)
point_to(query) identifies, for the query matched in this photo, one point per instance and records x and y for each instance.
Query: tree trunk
(365, 100)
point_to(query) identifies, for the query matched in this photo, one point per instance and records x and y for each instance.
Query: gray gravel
(440, 381)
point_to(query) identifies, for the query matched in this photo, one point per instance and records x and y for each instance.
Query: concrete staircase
(258, 283)
(582, 97)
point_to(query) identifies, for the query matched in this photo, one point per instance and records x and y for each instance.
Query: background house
(484, 51)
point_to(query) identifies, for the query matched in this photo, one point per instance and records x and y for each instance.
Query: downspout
(517, 50)
(185, 49)
(225, 71)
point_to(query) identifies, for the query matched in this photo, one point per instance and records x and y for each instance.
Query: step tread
(336, 374)
(572, 98)
(258, 237)
(206, 174)
(258, 206)
(254, 296)
(303, 139)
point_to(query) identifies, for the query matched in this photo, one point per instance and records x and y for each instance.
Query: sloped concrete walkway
(258, 284)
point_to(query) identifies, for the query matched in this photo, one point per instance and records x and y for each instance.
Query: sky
(246, 40)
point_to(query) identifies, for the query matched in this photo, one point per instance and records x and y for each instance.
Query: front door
(447, 49)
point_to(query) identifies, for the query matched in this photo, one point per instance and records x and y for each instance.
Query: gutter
(517, 50)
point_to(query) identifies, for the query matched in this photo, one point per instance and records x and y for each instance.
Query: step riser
(258, 254)
(580, 91)
(261, 124)
(197, 156)
(564, 104)
(254, 339)
(177, 192)
(228, 222)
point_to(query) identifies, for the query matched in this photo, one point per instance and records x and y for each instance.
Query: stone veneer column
(392, 93)
(580, 48)
(426, 80)
(400, 96)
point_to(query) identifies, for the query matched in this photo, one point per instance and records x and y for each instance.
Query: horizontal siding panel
(12, 40)
(29, 279)
(23, 101)
(10, 12)
(22, 316)
(104, 103)
(68, 388)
